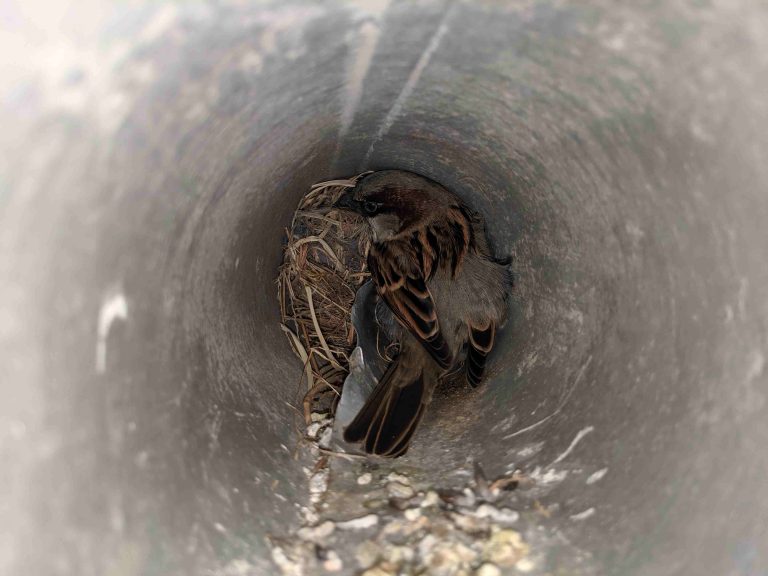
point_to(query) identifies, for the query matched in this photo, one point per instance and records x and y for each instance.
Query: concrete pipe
(154, 153)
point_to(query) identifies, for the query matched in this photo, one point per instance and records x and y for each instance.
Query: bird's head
(394, 202)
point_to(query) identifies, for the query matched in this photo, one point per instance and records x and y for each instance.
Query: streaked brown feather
(481, 340)
(410, 299)
(481, 336)
(402, 266)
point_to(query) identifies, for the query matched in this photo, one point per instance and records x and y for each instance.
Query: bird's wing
(402, 285)
(481, 339)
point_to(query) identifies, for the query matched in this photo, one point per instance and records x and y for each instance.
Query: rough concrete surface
(152, 154)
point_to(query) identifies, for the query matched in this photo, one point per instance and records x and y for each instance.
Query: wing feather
(401, 268)
(481, 340)
(411, 302)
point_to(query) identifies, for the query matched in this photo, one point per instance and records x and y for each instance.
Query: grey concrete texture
(152, 155)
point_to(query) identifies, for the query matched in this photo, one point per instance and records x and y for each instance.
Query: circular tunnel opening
(632, 370)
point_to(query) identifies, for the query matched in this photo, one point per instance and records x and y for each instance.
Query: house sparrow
(432, 267)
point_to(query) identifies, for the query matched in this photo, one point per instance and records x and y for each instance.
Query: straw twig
(322, 269)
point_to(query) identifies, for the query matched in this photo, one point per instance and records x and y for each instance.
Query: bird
(433, 269)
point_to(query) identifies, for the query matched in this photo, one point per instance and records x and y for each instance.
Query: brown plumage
(432, 267)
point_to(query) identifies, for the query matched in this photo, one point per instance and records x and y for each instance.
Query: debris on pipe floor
(376, 519)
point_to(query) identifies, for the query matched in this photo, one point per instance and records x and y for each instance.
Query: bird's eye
(370, 207)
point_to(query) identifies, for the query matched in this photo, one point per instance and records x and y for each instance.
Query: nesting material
(323, 266)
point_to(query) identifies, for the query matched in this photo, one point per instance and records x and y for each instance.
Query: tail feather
(475, 367)
(405, 440)
(357, 430)
(388, 419)
(395, 417)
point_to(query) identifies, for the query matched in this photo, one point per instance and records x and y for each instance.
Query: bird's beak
(346, 201)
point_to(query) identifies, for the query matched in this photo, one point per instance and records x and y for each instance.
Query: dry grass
(323, 266)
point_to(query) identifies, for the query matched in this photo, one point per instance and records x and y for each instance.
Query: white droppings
(430, 499)
(528, 362)
(467, 499)
(318, 483)
(399, 490)
(286, 565)
(313, 429)
(325, 438)
(412, 514)
(597, 476)
(309, 515)
(395, 477)
(364, 479)
(549, 477)
(498, 515)
(332, 562)
(114, 307)
(361, 523)
(427, 544)
(525, 565)
(583, 432)
(316, 533)
(530, 450)
(583, 515)
(488, 569)
(559, 408)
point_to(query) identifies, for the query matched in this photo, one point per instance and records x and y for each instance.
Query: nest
(323, 266)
